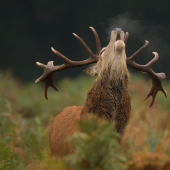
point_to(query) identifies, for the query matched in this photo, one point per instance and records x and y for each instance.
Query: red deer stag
(109, 97)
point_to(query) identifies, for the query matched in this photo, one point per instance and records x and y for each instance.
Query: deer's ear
(91, 71)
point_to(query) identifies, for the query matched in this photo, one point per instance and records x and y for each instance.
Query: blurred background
(28, 30)
(30, 27)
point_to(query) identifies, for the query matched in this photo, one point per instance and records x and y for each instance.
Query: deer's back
(63, 126)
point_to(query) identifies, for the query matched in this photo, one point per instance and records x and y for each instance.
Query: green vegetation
(96, 147)
(25, 118)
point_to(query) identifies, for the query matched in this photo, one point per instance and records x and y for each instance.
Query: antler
(126, 37)
(50, 69)
(156, 77)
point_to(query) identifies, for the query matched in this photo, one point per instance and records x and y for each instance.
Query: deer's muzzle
(119, 45)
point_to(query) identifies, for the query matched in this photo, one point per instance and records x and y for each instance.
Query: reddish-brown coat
(109, 97)
(62, 127)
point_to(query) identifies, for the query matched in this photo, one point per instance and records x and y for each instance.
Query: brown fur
(110, 101)
(62, 127)
(109, 97)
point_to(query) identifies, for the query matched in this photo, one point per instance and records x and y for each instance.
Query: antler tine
(48, 76)
(153, 60)
(156, 80)
(49, 82)
(65, 59)
(156, 77)
(40, 65)
(50, 69)
(126, 37)
(98, 45)
(138, 51)
(85, 46)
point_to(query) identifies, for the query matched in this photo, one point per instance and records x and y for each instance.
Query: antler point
(146, 98)
(153, 99)
(154, 53)
(75, 35)
(37, 81)
(165, 93)
(38, 63)
(52, 49)
(50, 63)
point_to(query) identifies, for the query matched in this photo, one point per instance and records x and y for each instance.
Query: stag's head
(111, 57)
(116, 47)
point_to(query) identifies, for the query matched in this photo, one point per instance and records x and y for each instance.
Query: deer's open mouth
(118, 37)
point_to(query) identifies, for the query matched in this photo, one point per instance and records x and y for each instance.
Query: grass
(26, 116)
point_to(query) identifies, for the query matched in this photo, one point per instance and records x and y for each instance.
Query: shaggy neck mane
(117, 68)
(109, 96)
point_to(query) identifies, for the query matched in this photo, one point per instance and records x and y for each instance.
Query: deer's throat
(114, 68)
(109, 96)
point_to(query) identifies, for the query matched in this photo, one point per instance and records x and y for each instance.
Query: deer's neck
(109, 96)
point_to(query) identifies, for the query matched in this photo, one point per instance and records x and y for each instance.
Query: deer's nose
(118, 30)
